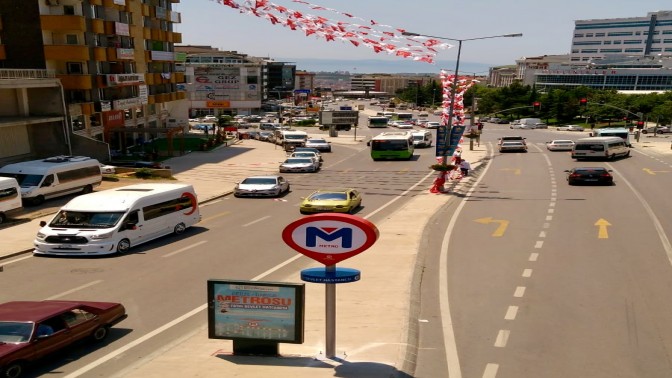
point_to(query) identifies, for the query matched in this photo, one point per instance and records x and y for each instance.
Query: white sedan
(262, 186)
(560, 145)
(108, 169)
(569, 128)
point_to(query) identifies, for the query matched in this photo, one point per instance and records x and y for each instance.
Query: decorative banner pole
(328, 239)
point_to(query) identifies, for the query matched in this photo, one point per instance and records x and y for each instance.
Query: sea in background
(371, 66)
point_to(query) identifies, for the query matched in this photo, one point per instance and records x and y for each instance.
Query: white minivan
(422, 138)
(54, 177)
(600, 148)
(10, 198)
(114, 220)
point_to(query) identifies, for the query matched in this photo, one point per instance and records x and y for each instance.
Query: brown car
(30, 330)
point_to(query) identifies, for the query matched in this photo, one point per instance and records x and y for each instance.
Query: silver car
(261, 186)
(319, 144)
(302, 164)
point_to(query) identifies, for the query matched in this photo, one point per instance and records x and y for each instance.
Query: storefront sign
(218, 104)
(125, 79)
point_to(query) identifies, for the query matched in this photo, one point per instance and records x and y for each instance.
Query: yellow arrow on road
(503, 224)
(652, 172)
(516, 171)
(602, 225)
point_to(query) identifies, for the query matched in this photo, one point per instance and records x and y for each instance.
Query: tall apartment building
(115, 60)
(639, 36)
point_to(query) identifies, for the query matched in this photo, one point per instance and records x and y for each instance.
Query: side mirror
(43, 223)
(368, 143)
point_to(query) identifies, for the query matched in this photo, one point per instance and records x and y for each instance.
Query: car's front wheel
(179, 228)
(13, 370)
(100, 333)
(123, 246)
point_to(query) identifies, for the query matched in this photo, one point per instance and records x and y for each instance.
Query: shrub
(144, 173)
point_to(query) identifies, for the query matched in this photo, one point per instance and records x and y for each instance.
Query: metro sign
(330, 238)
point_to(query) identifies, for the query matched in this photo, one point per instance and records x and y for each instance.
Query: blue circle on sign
(336, 276)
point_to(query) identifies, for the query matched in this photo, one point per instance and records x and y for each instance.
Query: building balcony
(100, 54)
(179, 77)
(181, 95)
(66, 52)
(63, 23)
(96, 2)
(76, 82)
(98, 26)
(159, 35)
(111, 4)
(174, 37)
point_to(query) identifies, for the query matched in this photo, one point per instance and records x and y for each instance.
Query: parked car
(512, 146)
(262, 186)
(319, 144)
(569, 128)
(657, 130)
(108, 169)
(560, 145)
(265, 136)
(304, 164)
(589, 175)
(432, 125)
(30, 330)
(332, 200)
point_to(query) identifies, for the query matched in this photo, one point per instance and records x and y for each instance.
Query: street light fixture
(453, 89)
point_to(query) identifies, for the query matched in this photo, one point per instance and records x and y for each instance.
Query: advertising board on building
(121, 29)
(124, 79)
(256, 310)
(126, 103)
(218, 104)
(125, 53)
(339, 117)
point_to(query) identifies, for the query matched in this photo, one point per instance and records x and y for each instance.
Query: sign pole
(330, 314)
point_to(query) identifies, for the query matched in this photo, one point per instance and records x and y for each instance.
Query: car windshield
(15, 332)
(259, 181)
(317, 141)
(299, 161)
(26, 181)
(86, 219)
(305, 149)
(328, 196)
(589, 170)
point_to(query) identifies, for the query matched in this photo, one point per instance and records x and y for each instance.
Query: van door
(131, 228)
(153, 221)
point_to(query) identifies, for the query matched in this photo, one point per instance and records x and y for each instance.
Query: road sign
(330, 238)
(326, 276)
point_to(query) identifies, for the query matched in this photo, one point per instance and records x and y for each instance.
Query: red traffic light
(640, 123)
(537, 104)
(583, 102)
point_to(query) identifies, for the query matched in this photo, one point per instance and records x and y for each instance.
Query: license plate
(590, 180)
(323, 208)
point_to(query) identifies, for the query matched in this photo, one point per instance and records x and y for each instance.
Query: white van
(422, 138)
(10, 198)
(600, 148)
(291, 137)
(114, 220)
(54, 177)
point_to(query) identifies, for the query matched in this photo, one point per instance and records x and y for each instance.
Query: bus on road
(379, 121)
(392, 145)
(621, 132)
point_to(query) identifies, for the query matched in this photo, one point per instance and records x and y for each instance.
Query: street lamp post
(453, 88)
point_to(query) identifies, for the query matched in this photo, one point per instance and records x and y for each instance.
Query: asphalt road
(544, 279)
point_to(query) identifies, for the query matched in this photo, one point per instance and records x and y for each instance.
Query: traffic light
(536, 105)
(640, 124)
(583, 102)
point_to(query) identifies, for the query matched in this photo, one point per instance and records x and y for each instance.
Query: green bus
(378, 121)
(392, 145)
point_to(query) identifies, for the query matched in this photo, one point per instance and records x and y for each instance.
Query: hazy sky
(547, 26)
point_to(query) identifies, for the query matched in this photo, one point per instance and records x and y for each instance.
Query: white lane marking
(539, 244)
(549, 217)
(452, 358)
(502, 338)
(185, 248)
(542, 234)
(551, 211)
(527, 273)
(136, 342)
(546, 225)
(520, 292)
(16, 260)
(533, 256)
(659, 227)
(490, 370)
(195, 311)
(63, 294)
(511, 313)
(552, 204)
(256, 221)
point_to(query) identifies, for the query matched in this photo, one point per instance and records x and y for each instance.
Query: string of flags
(348, 28)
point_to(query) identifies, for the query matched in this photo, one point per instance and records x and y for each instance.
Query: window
(69, 10)
(71, 39)
(74, 68)
(78, 174)
(8, 193)
(166, 207)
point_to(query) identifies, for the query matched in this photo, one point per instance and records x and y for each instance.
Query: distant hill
(369, 66)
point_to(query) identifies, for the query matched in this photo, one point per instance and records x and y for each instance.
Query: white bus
(378, 121)
(620, 132)
(113, 221)
(54, 177)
